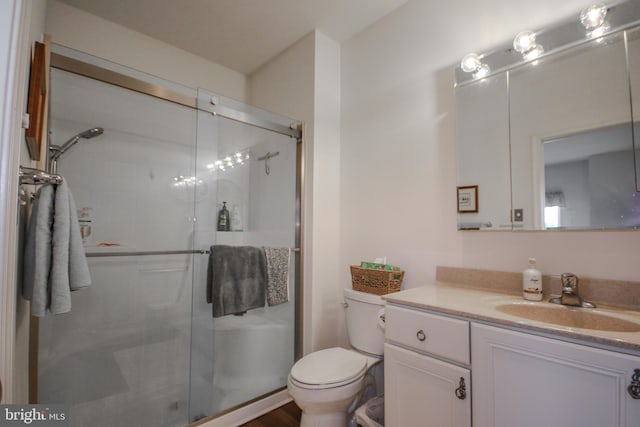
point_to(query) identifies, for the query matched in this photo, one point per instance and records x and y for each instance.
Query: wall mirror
(546, 134)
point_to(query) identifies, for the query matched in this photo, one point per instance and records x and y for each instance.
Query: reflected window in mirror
(590, 178)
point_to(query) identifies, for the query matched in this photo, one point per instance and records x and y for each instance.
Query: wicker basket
(379, 282)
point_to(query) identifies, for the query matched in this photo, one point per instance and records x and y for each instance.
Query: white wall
(328, 312)
(398, 157)
(88, 33)
(303, 82)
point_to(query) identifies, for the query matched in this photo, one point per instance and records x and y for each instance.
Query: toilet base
(335, 419)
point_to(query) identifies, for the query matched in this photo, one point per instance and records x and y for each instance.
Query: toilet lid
(330, 366)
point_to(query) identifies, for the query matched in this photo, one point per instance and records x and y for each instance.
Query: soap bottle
(532, 282)
(223, 218)
(236, 219)
(85, 220)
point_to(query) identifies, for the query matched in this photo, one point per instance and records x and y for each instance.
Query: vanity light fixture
(472, 63)
(589, 24)
(525, 43)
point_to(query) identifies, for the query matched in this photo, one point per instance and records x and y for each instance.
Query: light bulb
(524, 42)
(593, 16)
(534, 53)
(470, 63)
(482, 71)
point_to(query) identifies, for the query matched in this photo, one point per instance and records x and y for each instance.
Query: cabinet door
(421, 391)
(530, 381)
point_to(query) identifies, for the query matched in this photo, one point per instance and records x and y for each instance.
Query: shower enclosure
(140, 346)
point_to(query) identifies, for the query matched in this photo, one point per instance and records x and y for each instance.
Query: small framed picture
(468, 199)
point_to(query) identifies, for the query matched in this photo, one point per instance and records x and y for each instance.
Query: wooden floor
(285, 416)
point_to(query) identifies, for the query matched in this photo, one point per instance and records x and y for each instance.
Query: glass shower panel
(121, 356)
(237, 358)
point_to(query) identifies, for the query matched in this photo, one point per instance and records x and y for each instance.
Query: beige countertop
(481, 305)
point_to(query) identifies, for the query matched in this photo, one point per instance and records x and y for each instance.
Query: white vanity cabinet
(427, 379)
(526, 380)
(513, 378)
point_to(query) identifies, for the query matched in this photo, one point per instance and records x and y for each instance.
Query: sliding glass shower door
(121, 356)
(140, 346)
(252, 171)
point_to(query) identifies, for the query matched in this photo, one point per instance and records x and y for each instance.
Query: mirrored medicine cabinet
(551, 141)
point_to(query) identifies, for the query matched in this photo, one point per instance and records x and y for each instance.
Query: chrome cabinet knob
(421, 335)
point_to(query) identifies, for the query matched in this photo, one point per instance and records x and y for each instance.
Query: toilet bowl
(325, 383)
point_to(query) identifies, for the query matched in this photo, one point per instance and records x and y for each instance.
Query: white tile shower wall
(146, 144)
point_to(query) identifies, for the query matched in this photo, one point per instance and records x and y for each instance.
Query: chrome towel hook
(266, 158)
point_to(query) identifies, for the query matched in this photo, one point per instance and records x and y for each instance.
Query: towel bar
(147, 253)
(37, 177)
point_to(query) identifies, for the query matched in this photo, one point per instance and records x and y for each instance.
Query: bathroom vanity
(456, 356)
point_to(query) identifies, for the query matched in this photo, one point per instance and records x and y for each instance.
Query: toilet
(325, 383)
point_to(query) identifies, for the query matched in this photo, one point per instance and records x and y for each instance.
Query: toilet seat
(329, 368)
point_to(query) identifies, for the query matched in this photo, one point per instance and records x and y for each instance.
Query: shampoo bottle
(532, 282)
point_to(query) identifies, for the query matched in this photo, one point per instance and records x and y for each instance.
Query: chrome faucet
(570, 295)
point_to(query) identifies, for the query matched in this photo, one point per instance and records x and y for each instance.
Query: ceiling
(239, 34)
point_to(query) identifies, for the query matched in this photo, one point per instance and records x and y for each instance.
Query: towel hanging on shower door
(236, 279)
(277, 275)
(54, 259)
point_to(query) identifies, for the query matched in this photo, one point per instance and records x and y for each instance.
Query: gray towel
(277, 275)
(37, 252)
(54, 260)
(236, 279)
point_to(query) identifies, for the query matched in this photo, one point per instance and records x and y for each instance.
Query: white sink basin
(573, 317)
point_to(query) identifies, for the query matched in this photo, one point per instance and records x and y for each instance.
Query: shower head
(58, 150)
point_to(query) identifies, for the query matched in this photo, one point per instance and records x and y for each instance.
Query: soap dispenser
(223, 218)
(532, 282)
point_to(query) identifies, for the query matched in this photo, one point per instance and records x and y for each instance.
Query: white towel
(277, 275)
(54, 261)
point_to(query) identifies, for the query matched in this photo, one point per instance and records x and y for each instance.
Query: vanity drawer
(430, 333)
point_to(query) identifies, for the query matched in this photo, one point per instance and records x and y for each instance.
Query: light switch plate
(518, 215)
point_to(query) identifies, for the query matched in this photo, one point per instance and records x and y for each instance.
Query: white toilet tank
(364, 328)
